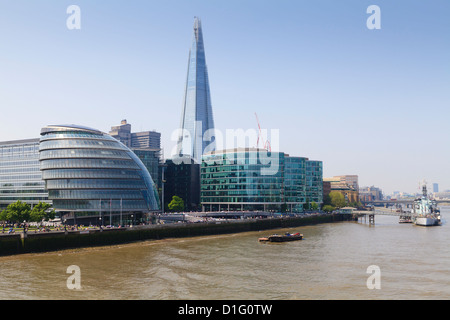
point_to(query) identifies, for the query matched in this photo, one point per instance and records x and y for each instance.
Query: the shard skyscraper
(197, 122)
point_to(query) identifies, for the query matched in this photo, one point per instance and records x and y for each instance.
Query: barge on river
(282, 238)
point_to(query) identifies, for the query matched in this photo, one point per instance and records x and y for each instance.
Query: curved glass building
(93, 178)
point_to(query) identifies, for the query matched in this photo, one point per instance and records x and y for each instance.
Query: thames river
(331, 262)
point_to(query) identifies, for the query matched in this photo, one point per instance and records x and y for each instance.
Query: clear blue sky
(375, 103)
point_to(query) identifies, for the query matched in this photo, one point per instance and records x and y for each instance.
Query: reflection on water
(330, 263)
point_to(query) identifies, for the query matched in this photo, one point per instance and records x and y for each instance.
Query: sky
(370, 102)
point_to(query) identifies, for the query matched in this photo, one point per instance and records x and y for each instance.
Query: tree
(41, 212)
(356, 204)
(18, 212)
(314, 206)
(327, 200)
(328, 208)
(337, 199)
(3, 216)
(177, 204)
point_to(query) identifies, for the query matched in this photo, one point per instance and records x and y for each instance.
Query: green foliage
(327, 200)
(314, 206)
(3, 215)
(328, 208)
(18, 212)
(41, 212)
(21, 211)
(355, 204)
(177, 204)
(337, 199)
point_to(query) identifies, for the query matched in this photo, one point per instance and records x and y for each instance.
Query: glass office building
(314, 181)
(236, 180)
(240, 179)
(294, 183)
(93, 178)
(197, 116)
(20, 177)
(182, 179)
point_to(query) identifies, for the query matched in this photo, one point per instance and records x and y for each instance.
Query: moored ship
(425, 211)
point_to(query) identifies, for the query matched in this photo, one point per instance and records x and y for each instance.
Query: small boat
(282, 238)
(405, 219)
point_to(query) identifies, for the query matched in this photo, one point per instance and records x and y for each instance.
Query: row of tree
(19, 212)
(337, 200)
(331, 202)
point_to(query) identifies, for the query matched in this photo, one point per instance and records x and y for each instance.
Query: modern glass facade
(93, 178)
(197, 115)
(151, 159)
(183, 180)
(294, 183)
(146, 145)
(235, 180)
(238, 179)
(20, 177)
(314, 181)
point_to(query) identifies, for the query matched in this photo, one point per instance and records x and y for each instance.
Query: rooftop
(68, 127)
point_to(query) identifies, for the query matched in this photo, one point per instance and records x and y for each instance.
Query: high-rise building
(370, 194)
(136, 140)
(314, 181)
(182, 178)
(435, 187)
(84, 173)
(237, 179)
(20, 177)
(145, 144)
(122, 132)
(197, 117)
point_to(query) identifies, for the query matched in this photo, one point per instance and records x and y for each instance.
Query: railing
(385, 213)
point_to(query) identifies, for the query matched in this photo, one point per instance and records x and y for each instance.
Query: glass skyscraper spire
(197, 122)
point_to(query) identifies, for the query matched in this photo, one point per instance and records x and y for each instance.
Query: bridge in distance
(401, 201)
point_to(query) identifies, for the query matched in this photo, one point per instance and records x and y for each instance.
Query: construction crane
(267, 143)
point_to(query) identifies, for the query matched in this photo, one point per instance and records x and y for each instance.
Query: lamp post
(120, 212)
(163, 181)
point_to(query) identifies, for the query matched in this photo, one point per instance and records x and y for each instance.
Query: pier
(370, 214)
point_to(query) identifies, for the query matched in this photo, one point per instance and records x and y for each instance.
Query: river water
(330, 263)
